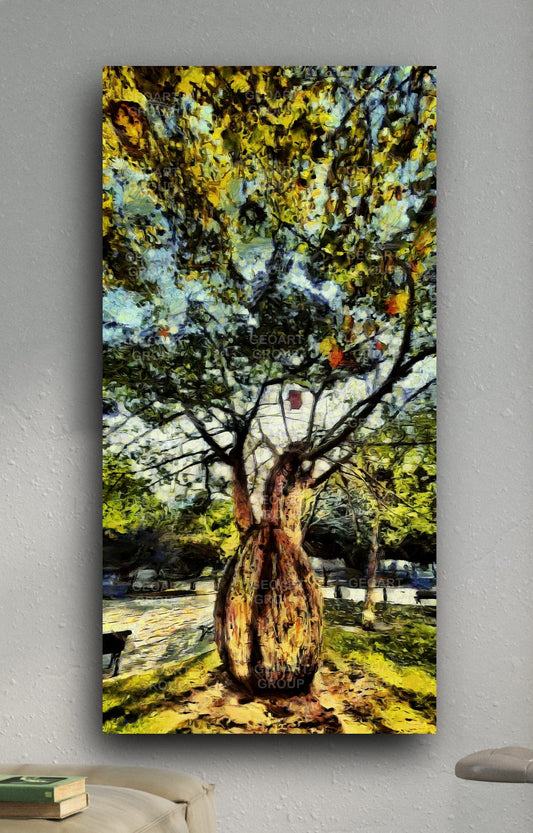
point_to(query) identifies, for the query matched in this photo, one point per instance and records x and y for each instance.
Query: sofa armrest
(178, 787)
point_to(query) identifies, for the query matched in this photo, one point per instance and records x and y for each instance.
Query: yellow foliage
(424, 242)
(327, 345)
(121, 87)
(350, 726)
(407, 679)
(239, 83)
(403, 720)
(261, 83)
(247, 713)
(193, 75)
(397, 303)
(285, 119)
(417, 270)
(110, 143)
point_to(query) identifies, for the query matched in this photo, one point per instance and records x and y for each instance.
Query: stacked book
(41, 796)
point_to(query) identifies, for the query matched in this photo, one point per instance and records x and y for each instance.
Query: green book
(47, 788)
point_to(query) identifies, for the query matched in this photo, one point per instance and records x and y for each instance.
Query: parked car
(147, 581)
(397, 569)
(423, 579)
(114, 587)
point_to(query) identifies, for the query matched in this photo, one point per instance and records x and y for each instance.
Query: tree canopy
(269, 266)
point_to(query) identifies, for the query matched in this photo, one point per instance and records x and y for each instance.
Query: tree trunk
(268, 613)
(242, 511)
(369, 609)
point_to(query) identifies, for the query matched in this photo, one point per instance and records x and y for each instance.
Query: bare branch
(127, 419)
(176, 477)
(352, 418)
(201, 453)
(322, 478)
(283, 414)
(267, 441)
(316, 398)
(370, 404)
(164, 421)
(220, 452)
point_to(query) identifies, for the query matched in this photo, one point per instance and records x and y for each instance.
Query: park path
(164, 630)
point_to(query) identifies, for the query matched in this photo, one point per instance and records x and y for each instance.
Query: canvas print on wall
(269, 399)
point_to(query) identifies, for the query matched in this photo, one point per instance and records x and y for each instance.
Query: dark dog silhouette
(114, 643)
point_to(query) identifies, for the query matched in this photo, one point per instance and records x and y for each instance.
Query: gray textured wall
(51, 55)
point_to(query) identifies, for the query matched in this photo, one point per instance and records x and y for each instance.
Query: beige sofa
(126, 800)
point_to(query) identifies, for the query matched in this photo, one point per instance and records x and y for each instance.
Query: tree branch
(322, 478)
(316, 397)
(283, 414)
(220, 452)
(352, 418)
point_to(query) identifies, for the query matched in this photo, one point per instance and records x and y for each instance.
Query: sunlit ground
(369, 682)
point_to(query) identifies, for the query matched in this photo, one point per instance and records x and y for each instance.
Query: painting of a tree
(269, 326)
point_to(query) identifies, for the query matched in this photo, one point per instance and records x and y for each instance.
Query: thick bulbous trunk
(268, 613)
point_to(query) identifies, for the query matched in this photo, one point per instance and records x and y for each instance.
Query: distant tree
(269, 274)
(394, 467)
(127, 504)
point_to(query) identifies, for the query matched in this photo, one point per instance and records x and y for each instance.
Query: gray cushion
(111, 810)
(511, 764)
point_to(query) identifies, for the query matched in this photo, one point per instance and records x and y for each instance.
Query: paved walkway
(164, 630)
